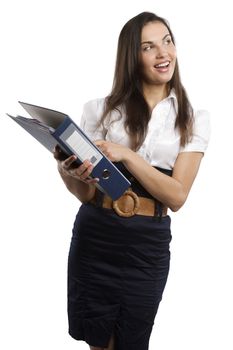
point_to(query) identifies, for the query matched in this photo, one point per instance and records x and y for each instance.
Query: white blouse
(162, 143)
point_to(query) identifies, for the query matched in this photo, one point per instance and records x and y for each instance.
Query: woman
(118, 264)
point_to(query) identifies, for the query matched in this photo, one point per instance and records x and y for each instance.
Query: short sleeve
(201, 133)
(90, 120)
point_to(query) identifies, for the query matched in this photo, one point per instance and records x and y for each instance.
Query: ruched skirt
(117, 271)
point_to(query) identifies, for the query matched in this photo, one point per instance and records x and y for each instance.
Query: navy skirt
(117, 271)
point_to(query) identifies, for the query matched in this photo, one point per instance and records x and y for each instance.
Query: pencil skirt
(117, 271)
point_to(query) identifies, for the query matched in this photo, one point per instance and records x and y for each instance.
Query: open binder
(51, 127)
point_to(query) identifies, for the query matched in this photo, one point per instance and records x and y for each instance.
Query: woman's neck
(154, 94)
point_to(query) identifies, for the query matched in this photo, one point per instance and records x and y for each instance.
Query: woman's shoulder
(94, 105)
(201, 121)
(91, 116)
(202, 114)
(201, 132)
(92, 111)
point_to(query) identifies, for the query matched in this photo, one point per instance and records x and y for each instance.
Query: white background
(59, 54)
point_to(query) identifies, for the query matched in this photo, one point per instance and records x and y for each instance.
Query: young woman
(119, 254)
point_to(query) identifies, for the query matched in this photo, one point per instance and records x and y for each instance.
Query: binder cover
(51, 127)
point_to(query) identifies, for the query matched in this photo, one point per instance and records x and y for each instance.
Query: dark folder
(51, 127)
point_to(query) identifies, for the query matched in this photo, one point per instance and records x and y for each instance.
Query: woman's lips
(163, 66)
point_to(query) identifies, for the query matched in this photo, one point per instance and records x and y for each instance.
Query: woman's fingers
(83, 172)
(59, 154)
(67, 163)
(69, 167)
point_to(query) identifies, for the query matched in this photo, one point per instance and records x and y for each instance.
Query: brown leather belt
(130, 204)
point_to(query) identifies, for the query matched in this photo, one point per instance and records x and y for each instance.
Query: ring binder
(51, 127)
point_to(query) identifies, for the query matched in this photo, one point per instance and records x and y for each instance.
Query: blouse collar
(172, 96)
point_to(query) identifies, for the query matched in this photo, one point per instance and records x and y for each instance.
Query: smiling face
(157, 55)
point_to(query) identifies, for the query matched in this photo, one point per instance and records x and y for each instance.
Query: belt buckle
(117, 204)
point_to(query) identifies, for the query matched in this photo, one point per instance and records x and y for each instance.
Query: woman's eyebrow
(147, 42)
(168, 34)
(152, 42)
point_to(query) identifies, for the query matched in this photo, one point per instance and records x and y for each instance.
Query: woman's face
(157, 55)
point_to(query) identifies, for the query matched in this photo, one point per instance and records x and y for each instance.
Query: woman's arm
(76, 179)
(171, 191)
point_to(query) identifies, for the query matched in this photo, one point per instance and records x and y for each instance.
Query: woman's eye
(168, 41)
(147, 48)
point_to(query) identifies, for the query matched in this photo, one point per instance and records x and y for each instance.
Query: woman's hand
(114, 152)
(68, 167)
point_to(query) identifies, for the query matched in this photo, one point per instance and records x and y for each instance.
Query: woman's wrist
(127, 155)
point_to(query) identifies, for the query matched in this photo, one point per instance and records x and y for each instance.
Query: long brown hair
(127, 85)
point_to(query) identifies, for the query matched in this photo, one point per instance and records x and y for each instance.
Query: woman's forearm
(159, 185)
(84, 192)
(76, 178)
(171, 191)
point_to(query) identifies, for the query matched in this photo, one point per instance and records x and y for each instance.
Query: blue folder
(51, 127)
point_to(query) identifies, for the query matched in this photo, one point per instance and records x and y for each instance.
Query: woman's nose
(161, 51)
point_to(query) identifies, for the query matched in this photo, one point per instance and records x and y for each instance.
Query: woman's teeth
(162, 65)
